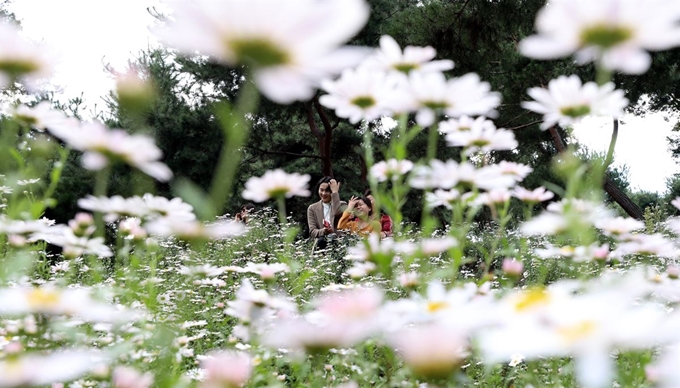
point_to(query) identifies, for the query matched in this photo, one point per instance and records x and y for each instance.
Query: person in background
(322, 216)
(385, 220)
(243, 213)
(358, 217)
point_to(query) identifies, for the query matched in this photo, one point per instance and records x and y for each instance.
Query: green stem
(432, 138)
(236, 129)
(281, 201)
(100, 186)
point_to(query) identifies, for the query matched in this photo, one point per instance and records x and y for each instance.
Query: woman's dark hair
(326, 179)
(247, 206)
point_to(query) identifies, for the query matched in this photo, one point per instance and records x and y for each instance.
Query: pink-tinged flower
(362, 94)
(38, 370)
(513, 268)
(350, 305)
(538, 194)
(409, 279)
(431, 351)
(291, 45)
(612, 33)
(226, 369)
(341, 319)
(673, 272)
(126, 377)
(276, 184)
(391, 58)
(390, 169)
(566, 101)
(102, 146)
(432, 95)
(21, 59)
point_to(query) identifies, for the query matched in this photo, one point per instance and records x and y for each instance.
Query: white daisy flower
(291, 45)
(442, 198)
(194, 230)
(44, 369)
(391, 58)
(567, 101)
(482, 138)
(619, 226)
(466, 123)
(538, 194)
(274, 184)
(21, 59)
(614, 33)
(101, 145)
(390, 169)
(362, 94)
(42, 116)
(439, 174)
(467, 95)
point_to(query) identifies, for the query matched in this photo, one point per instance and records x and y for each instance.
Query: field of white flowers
(142, 291)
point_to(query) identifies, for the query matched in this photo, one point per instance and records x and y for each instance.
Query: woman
(322, 215)
(358, 218)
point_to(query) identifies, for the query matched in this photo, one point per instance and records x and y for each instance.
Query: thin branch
(270, 152)
(525, 125)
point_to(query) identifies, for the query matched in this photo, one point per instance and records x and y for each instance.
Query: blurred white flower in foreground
(126, 377)
(390, 57)
(21, 59)
(102, 145)
(291, 45)
(276, 184)
(42, 116)
(390, 169)
(50, 300)
(226, 369)
(613, 33)
(432, 351)
(566, 101)
(57, 367)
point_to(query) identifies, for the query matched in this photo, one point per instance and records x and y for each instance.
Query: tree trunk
(324, 137)
(610, 188)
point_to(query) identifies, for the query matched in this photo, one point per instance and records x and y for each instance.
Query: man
(322, 216)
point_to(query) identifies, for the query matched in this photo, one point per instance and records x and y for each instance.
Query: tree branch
(270, 152)
(310, 120)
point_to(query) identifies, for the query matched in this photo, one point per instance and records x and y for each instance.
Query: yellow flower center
(38, 298)
(18, 67)
(575, 332)
(575, 111)
(363, 102)
(405, 67)
(605, 36)
(531, 298)
(434, 306)
(259, 52)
